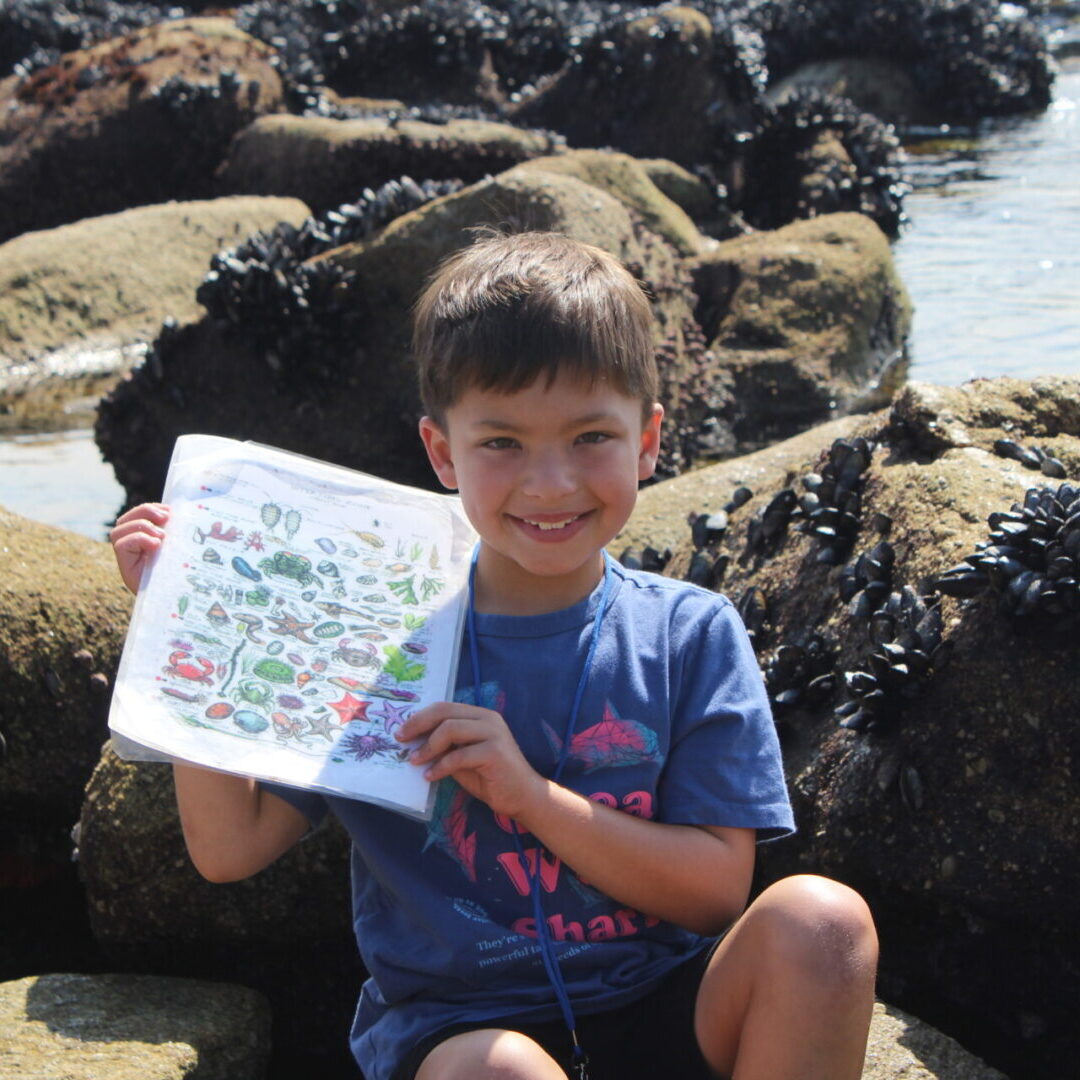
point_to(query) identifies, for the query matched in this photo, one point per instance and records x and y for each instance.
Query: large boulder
(952, 803)
(807, 320)
(287, 931)
(132, 121)
(131, 1027)
(63, 615)
(99, 288)
(326, 162)
(342, 386)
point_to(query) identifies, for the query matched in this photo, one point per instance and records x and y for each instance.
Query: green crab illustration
(253, 692)
(290, 565)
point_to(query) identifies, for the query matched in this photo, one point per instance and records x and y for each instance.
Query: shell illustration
(270, 514)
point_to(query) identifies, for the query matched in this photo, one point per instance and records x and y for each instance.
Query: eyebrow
(576, 421)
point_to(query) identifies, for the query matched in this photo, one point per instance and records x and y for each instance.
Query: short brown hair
(507, 309)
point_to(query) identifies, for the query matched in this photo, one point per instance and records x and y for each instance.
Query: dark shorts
(650, 1037)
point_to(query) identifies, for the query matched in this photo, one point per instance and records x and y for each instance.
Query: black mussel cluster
(769, 527)
(873, 183)
(975, 58)
(832, 502)
(906, 649)
(707, 529)
(1031, 561)
(753, 608)
(867, 582)
(646, 558)
(267, 290)
(33, 33)
(1031, 457)
(800, 675)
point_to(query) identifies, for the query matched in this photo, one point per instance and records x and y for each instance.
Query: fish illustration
(449, 826)
(612, 743)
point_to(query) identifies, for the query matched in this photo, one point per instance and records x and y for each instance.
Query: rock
(808, 319)
(353, 399)
(958, 816)
(131, 1027)
(876, 85)
(286, 931)
(60, 598)
(326, 162)
(135, 120)
(651, 87)
(901, 1047)
(77, 302)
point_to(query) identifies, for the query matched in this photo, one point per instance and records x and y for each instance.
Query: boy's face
(547, 475)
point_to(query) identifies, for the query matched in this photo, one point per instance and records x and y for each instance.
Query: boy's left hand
(475, 747)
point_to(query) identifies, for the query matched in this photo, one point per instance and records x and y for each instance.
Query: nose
(549, 474)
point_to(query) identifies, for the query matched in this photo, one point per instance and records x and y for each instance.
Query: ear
(437, 445)
(650, 443)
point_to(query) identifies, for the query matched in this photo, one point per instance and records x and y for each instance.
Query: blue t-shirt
(674, 726)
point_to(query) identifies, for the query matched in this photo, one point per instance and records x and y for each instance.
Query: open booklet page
(294, 616)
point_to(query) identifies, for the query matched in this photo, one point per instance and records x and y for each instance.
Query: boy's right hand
(136, 536)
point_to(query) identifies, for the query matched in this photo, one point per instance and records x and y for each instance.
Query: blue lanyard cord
(547, 947)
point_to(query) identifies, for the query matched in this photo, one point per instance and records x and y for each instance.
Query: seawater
(990, 257)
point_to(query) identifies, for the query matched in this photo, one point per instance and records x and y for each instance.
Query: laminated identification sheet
(295, 615)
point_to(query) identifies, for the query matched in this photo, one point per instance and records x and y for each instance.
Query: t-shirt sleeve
(309, 803)
(724, 766)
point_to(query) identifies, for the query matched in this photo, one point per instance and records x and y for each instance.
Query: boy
(609, 760)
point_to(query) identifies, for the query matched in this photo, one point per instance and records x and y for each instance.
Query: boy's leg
(789, 992)
(489, 1054)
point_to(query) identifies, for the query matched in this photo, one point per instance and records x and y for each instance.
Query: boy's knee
(491, 1054)
(821, 925)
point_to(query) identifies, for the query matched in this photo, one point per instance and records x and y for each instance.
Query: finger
(460, 759)
(454, 731)
(157, 513)
(425, 720)
(140, 527)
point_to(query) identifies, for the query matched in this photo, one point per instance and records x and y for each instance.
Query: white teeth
(547, 526)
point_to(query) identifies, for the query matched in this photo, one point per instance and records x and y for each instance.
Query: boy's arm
(693, 876)
(233, 828)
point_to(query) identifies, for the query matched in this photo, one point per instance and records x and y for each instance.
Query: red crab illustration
(228, 535)
(183, 670)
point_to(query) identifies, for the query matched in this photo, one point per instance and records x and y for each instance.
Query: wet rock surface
(131, 1027)
(132, 121)
(955, 811)
(83, 297)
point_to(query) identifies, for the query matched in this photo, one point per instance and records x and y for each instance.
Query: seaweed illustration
(402, 667)
(430, 587)
(403, 589)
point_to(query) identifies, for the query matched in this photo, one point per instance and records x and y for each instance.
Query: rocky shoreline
(218, 223)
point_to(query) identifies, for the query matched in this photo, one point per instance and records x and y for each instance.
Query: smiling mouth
(550, 526)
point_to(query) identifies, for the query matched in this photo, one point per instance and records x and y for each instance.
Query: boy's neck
(501, 587)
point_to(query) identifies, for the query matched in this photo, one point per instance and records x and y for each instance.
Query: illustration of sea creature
(362, 657)
(367, 579)
(200, 671)
(258, 597)
(254, 542)
(400, 666)
(211, 556)
(374, 689)
(320, 725)
(370, 538)
(318, 665)
(393, 716)
(335, 611)
(375, 598)
(270, 514)
(251, 624)
(612, 742)
(449, 824)
(285, 726)
(350, 708)
(180, 695)
(274, 671)
(289, 564)
(251, 722)
(326, 544)
(275, 647)
(289, 701)
(217, 614)
(349, 552)
(253, 692)
(308, 596)
(398, 567)
(294, 658)
(329, 629)
(292, 523)
(328, 568)
(245, 569)
(403, 589)
(339, 590)
(182, 603)
(226, 536)
(290, 626)
(198, 585)
(415, 647)
(220, 710)
(390, 624)
(364, 745)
